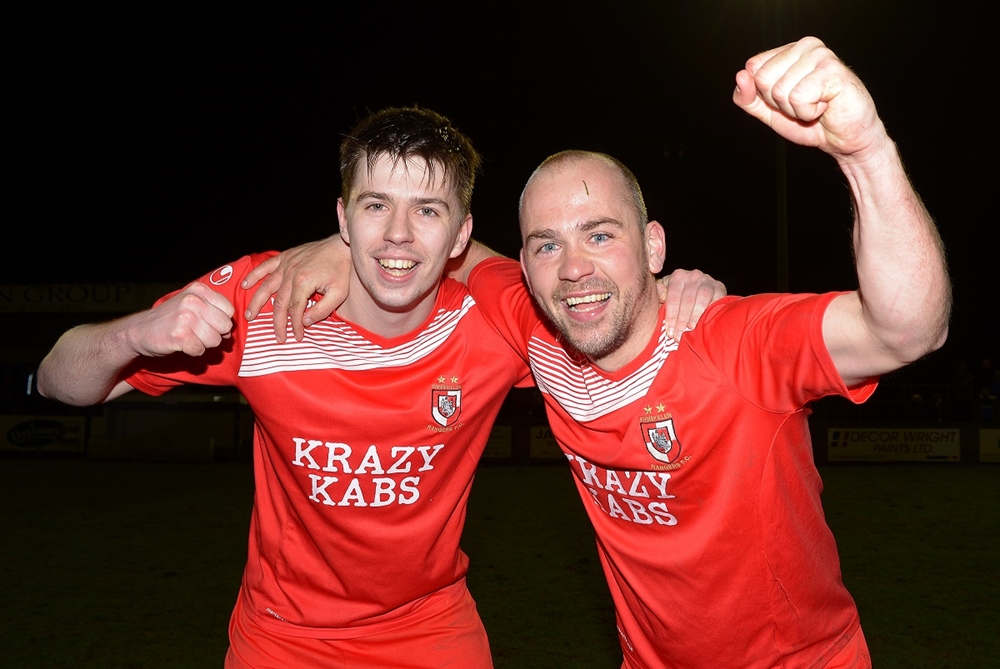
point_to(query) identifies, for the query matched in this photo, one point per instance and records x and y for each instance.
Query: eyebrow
(586, 226)
(384, 197)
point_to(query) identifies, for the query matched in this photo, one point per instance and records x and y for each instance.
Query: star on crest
(454, 379)
(441, 379)
(648, 410)
(660, 407)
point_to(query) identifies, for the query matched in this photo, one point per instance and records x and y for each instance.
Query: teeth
(393, 263)
(599, 297)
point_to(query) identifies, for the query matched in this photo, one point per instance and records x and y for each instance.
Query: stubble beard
(598, 340)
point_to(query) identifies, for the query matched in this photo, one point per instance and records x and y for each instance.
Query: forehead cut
(585, 175)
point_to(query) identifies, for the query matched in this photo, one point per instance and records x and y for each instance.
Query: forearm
(461, 267)
(904, 291)
(83, 367)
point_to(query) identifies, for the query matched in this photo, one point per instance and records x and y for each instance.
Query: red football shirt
(364, 455)
(695, 465)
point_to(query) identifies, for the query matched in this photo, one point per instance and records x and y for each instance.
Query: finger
(779, 75)
(719, 291)
(301, 290)
(204, 336)
(804, 88)
(681, 290)
(220, 302)
(193, 347)
(746, 98)
(661, 290)
(260, 271)
(295, 313)
(688, 302)
(220, 321)
(207, 316)
(764, 70)
(262, 295)
(709, 291)
(191, 330)
(807, 99)
(700, 301)
(321, 310)
(755, 63)
(279, 319)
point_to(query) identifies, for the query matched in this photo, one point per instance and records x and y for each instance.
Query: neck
(646, 323)
(385, 320)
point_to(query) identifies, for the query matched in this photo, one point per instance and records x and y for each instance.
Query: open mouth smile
(396, 266)
(586, 302)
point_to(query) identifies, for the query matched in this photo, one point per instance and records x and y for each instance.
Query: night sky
(155, 145)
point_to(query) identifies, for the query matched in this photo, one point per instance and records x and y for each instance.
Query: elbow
(913, 346)
(922, 330)
(49, 388)
(43, 383)
(939, 341)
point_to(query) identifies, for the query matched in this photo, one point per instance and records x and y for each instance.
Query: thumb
(745, 97)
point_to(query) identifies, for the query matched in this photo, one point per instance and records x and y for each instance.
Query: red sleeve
(770, 348)
(217, 367)
(498, 287)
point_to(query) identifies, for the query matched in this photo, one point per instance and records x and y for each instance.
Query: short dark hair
(403, 133)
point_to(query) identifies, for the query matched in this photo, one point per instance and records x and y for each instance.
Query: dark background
(156, 143)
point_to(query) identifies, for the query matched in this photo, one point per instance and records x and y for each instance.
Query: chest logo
(661, 439)
(446, 403)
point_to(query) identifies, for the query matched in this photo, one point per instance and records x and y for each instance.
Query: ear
(656, 246)
(464, 234)
(524, 271)
(342, 220)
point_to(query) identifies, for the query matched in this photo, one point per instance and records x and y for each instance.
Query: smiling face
(402, 228)
(588, 259)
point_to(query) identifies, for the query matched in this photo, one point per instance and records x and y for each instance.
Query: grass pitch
(112, 565)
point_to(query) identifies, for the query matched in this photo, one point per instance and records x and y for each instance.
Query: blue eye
(601, 237)
(547, 248)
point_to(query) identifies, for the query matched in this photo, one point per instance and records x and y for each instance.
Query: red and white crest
(661, 440)
(446, 406)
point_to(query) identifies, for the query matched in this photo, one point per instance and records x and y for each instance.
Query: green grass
(920, 552)
(109, 565)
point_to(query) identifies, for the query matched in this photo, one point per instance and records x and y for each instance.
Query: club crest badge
(446, 404)
(661, 440)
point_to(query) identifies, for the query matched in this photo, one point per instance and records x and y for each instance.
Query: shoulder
(227, 279)
(496, 273)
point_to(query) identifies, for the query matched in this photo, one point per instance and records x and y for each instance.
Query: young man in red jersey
(368, 430)
(692, 455)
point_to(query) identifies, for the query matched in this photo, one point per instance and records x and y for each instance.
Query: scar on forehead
(585, 188)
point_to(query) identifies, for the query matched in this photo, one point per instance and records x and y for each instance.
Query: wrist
(873, 155)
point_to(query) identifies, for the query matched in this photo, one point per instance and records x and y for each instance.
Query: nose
(398, 229)
(575, 264)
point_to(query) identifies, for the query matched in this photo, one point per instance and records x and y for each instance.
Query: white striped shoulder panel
(580, 390)
(336, 345)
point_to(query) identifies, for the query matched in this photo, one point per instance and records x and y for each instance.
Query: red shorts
(455, 638)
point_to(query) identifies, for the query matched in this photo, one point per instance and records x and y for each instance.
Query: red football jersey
(695, 466)
(364, 455)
